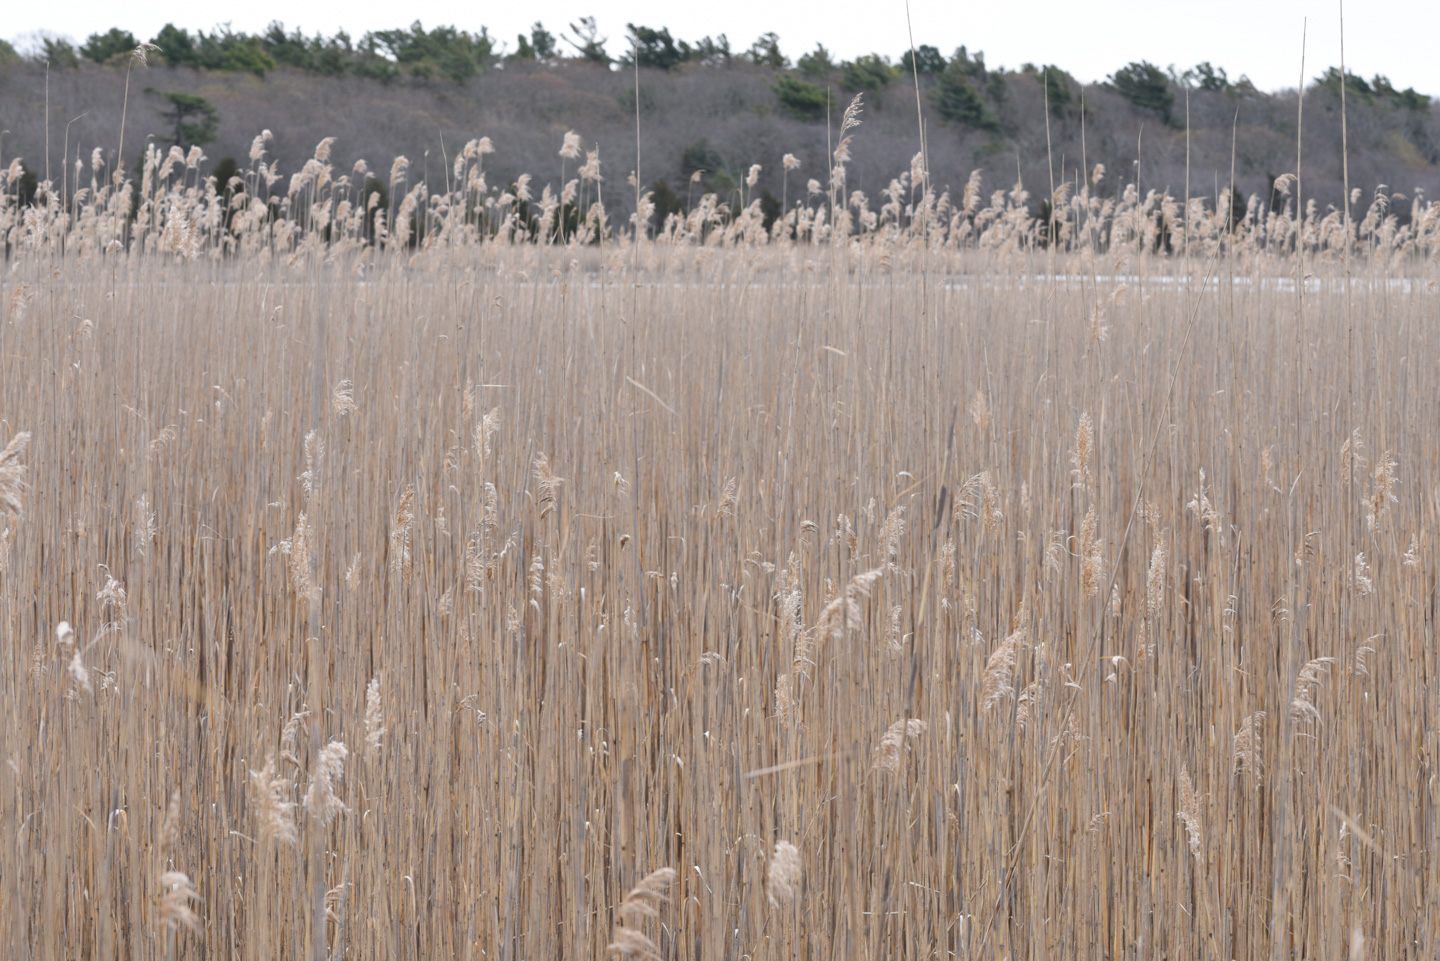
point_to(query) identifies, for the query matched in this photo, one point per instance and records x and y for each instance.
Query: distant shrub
(226, 169)
(194, 119)
(800, 97)
(701, 156)
(871, 72)
(958, 99)
(666, 202)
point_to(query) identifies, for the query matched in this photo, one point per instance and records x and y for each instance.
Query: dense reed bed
(902, 594)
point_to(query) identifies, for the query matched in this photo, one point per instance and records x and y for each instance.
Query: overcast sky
(1260, 38)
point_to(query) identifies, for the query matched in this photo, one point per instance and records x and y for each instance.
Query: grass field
(915, 590)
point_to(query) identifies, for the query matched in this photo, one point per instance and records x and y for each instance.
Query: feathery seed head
(342, 398)
(400, 532)
(782, 878)
(314, 454)
(269, 799)
(1247, 747)
(1382, 491)
(1084, 449)
(12, 477)
(644, 898)
(289, 736)
(170, 826)
(1302, 704)
(374, 719)
(1155, 580)
(999, 669)
(177, 895)
(320, 799)
(141, 54)
(889, 751)
(397, 171)
(631, 944)
(1189, 813)
(547, 486)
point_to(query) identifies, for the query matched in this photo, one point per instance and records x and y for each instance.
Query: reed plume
(321, 800)
(1084, 451)
(1189, 813)
(890, 751)
(296, 550)
(1247, 749)
(269, 800)
(374, 720)
(486, 429)
(642, 902)
(1302, 704)
(998, 682)
(547, 486)
(400, 558)
(177, 897)
(314, 454)
(728, 499)
(1382, 491)
(177, 892)
(12, 477)
(1092, 548)
(631, 943)
(843, 613)
(342, 399)
(289, 735)
(782, 878)
(1155, 580)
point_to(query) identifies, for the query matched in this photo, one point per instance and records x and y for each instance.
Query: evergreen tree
(104, 47)
(194, 118)
(1146, 86)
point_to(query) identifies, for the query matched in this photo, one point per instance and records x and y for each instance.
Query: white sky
(1260, 38)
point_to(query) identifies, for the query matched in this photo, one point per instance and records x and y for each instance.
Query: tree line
(963, 90)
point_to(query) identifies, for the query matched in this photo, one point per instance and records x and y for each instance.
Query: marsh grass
(869, 563)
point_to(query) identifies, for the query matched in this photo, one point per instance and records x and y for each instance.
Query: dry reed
(1046, 597)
